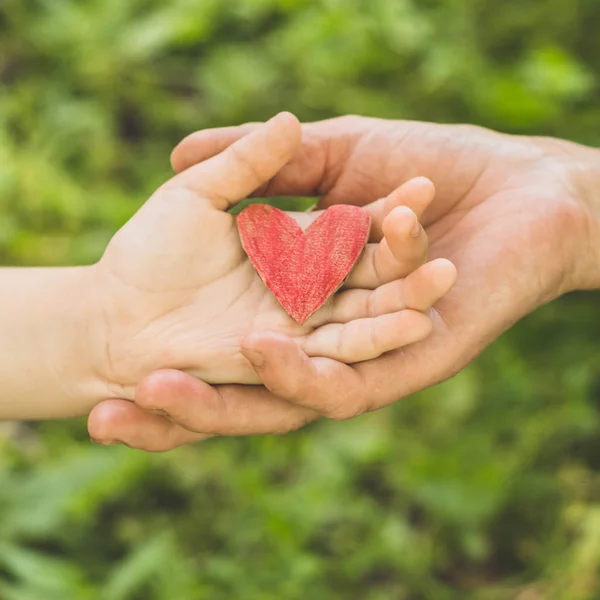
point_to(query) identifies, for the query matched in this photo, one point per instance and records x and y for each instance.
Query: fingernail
(158, 411)
(105, 442)
(416, 229)
(256, 358)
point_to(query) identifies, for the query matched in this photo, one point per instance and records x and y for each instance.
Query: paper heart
(303, 268)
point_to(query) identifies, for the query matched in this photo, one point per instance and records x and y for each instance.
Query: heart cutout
(303, 268)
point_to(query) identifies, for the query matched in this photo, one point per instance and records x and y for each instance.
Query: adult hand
(518, 216)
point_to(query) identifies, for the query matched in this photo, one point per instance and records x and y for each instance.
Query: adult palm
(510, 212)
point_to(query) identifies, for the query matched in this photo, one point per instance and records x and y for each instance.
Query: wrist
(584, 166)
(579, 166)
(46, 333)
(82, 345)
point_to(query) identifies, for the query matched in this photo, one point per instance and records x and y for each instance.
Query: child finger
(366, 339)
(428, 284)
(206, 143)
(419, 291)
(406, 239)
(401, 251)
(241, 168)
(416, 193)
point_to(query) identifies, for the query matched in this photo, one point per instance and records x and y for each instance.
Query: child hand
(176, 290)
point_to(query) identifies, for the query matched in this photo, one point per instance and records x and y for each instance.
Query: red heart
(303, 268)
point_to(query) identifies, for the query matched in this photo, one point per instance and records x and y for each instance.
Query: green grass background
(484, 488)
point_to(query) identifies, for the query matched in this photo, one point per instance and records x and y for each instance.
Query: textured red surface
(303, 268)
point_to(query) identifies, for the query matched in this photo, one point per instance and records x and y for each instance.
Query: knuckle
(291, 389)
(373, 337)
(375, 265)
(283, 427)
(307, 417)
(246, 163)
(371, 304)
(343, 411)
(424, 325)
(152, 391)
(160, 405)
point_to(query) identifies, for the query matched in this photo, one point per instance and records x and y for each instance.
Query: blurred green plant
(486, 487)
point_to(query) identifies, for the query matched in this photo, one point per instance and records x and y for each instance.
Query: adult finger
(367, 338)
(223, 409)
(123, 422)
(339, 391)
(327, 387)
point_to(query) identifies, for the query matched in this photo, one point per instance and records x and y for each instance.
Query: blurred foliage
(486, 487)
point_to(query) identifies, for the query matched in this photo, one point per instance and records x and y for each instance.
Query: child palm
(178, 290)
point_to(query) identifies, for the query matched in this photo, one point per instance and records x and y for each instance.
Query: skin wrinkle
(125, 247)
(136, 287)
(246, 164)
(441, 305)
(124, 390)
(461, 213)
(370, 301)
(116, 390)
(471, 188)
(347, 131)
(346, 409)
(291, 387)
(301, 388)
(372, 334)
(334, 187)
(265, 299)
(222, 200)
(323, 187)
(361, 175)
(284, 427)
(421, 136)
(451, 173)
(252, 280)
(587, 221)
(315, 147)
(463, 216)
(375, 258)
(221, 407)
(397, 146)
(555, 281)
(341, 342)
